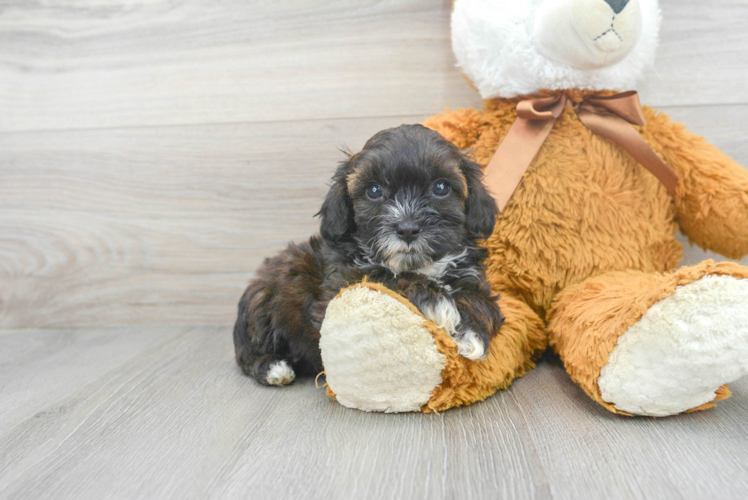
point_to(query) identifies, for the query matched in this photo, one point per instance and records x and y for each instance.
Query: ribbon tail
(514, 155)
(620, 132)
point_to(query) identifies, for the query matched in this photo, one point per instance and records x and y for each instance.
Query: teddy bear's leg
(655, 344)
(381, 354)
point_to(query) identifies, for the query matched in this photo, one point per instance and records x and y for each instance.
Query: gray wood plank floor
(153, 152)
(164, 413)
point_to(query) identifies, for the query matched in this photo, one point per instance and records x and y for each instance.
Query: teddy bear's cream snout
(587, 34)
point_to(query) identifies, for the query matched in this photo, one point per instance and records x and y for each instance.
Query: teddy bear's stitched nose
(617, 5)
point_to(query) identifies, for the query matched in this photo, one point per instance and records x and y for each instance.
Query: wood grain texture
(152, 153)
(165, 225)
(156, 225)
(70, 64)
(164, 413)
(701, 55)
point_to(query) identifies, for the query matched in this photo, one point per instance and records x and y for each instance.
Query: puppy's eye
(374, 192)
(441, 188)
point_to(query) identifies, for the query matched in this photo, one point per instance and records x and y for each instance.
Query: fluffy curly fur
(586, 246)
(493, 49)
(407, 211)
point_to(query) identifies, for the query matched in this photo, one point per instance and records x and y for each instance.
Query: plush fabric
(386, 360)
(493, 42)
(585, 208)
(585, 254)
(512, 354)
(678, 355)
(588, 318)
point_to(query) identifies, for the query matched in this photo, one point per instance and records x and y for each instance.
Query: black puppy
(406, 212)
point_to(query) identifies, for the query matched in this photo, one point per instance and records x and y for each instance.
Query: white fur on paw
(444, 314)
(280, 373)
(470, 346)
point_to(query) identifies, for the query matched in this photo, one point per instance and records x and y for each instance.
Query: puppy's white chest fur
(437, 269)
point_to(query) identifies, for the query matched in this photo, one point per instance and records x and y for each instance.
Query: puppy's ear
(336, 213)
(480, 207)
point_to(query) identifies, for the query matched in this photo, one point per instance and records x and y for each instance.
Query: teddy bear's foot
(382, 354)
(682, 350)
(379, 354)
(655, 344)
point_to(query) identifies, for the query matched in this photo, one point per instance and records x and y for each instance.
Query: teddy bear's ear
(480, 207)
(336, 213)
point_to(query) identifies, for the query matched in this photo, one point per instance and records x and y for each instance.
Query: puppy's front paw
(470, 345)
(443, 313)
(280, 373)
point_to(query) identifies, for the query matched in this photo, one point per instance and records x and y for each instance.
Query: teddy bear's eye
(374, 192)
(441, 188)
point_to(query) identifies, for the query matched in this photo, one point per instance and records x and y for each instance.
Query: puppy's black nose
(408, 231)
(617, 5)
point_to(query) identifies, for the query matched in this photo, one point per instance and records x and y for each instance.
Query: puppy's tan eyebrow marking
(455, 174)
(463, 183)
(353, 181)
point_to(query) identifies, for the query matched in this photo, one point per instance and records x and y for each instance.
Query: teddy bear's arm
(461, 127)
(712, 196)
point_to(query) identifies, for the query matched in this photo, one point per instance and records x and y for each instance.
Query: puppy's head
(409, 198)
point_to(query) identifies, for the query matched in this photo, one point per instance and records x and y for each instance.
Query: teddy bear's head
(518, 47)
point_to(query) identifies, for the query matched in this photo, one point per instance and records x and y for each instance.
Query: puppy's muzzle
(408, 231)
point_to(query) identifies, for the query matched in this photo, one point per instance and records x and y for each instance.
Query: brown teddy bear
(584, 255)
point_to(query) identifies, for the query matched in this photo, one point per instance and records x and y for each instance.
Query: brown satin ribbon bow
(609, 117)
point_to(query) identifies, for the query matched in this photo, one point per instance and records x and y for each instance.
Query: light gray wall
(152, 154)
